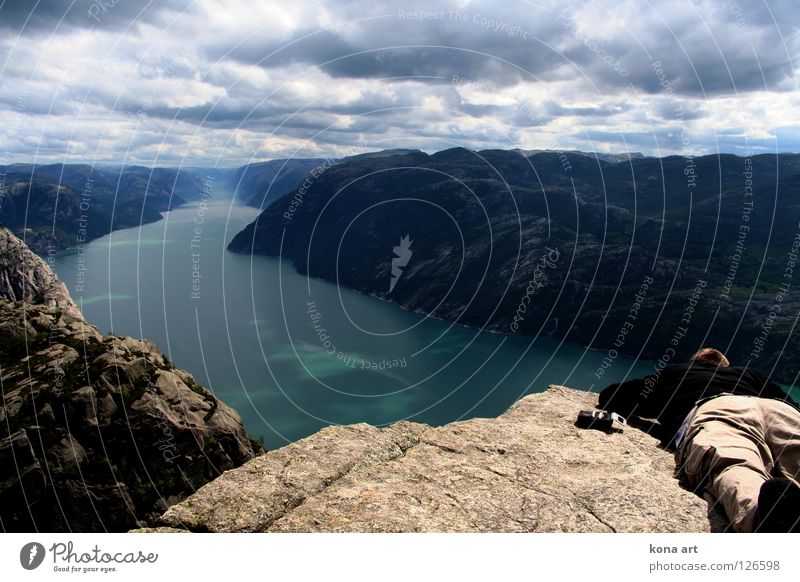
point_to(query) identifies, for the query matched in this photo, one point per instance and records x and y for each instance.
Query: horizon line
(533, 151)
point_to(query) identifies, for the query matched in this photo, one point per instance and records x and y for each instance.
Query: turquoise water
(250, 328)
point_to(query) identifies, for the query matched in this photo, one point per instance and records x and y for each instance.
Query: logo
(402, 256)
(31, 555)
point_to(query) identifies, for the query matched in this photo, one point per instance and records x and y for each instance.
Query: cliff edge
(97, 433)
(529, 470)
(26, 277)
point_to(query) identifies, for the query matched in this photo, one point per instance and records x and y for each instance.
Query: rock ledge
(529, 470)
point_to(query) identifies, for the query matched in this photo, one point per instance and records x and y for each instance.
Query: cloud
(704, 53)
(231, 80)
(45, 17)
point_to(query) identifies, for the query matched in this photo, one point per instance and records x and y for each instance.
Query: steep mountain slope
(651, 257)
(56, 206)
(262, 183)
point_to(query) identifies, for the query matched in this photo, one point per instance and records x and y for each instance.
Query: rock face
(97, 433)
(26, 277)
(529, 470)
(260, 183)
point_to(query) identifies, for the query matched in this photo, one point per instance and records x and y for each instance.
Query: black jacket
(669, 396)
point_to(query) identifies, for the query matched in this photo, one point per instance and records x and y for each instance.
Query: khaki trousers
(734, 444)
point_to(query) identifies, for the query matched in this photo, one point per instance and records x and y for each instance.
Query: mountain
(97, 433)
(53, 207)
(261, 183)
(610, 158)
(653, 257)
(529, 470)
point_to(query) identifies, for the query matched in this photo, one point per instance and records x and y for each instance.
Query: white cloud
(235, 80)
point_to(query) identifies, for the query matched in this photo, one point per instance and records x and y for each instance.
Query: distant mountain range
(652, 257)
(56, 206)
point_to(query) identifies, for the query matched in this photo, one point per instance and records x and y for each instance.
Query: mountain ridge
(677, 221)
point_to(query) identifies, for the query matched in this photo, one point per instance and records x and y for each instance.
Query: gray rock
(20, 486)
(67, 456)
(24, 276)
(529, 470)
(252, 497)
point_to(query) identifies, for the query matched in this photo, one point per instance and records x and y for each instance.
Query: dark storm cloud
(667, 110)
(481, 110)
(707, 70)
(32, 17)
(732, 47)
(311, 46)
(703, 54)
(606, 110)
(436, 61)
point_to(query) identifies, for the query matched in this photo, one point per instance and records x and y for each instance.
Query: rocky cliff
(27, 278)
(529, 470)
(97, 433)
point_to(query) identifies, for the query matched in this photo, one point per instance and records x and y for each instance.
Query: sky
(228, 82)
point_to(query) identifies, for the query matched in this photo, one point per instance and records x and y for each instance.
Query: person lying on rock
(735, 433)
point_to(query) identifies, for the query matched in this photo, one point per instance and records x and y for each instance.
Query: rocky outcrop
(26, 277)
(97, 433)
(529, 470)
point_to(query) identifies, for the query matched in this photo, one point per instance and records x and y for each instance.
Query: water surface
(292, 354)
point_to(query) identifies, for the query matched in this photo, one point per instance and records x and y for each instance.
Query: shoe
(778, 507)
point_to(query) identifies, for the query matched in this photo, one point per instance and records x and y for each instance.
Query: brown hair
(710, 356)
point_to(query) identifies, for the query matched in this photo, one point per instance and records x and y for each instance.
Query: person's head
(710, 356)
